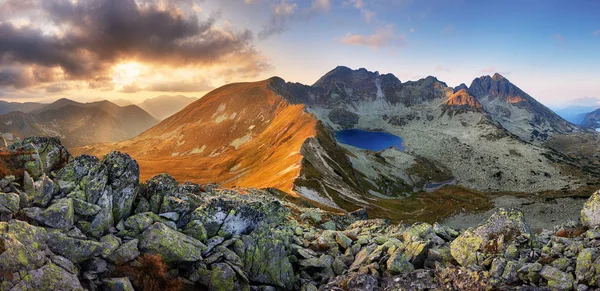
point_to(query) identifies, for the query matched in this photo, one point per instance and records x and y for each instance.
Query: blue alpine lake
(369, 140)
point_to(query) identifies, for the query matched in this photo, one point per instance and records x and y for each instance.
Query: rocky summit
(89, 224)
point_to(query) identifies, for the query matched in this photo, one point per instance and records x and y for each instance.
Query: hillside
(274, 134)
(164, 106)
(6, 107)
(591, 120)
(77, 123)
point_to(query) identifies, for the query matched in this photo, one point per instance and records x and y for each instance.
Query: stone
(104, 219)
(557, 280)
(117, 284)
(158, 187)
(590, 214)
(125, 253)
(490, 238)
(398, 264)
(172, 245)
(140, 222)
(44, 192)
(76, 250)
(110, 243)
(84, 208)
(59, 215)
(123, 177)
(49, 277)
(9, 203)
(196, 230)
(584, 269)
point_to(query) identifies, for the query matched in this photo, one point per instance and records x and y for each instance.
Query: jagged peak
(497, 77)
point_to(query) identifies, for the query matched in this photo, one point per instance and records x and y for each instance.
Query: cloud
(131, 88)
(89, 37)
(382, 37)
(596, 33)
(559, 38)
(282, 10)
(442, 69)
(367, 14)
(321, 5)
(449, 29)
(180, 86)
(57, 88)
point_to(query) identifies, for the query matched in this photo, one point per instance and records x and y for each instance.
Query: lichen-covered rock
(76, 250)
(222, 277)
(265, 257)
(585, 271)
(158, 187)
(235, 216)
(84, 208)
(474, 246)
(123, 178)
(59, 215)
(104, 219)
(9, 203)
(125, 253)
(117, 284)
(557, 280)
(52, 154)
(172, 245)
(18, 256)
(45, 190)
(590, 214)
(196, 230)
(398, 264)
(140, 222)
(49, 277)
(110, 243)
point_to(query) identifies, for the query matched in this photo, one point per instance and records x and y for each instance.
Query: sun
(126, 73)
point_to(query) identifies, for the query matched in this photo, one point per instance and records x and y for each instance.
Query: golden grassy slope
(241, 134)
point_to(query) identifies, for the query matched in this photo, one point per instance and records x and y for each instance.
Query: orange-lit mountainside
(490, 136)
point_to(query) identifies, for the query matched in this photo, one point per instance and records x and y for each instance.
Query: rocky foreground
(83, 223)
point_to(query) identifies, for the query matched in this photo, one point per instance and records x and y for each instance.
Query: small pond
(369, 140)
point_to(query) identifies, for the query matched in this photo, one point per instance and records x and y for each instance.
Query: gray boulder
(590, 214)
(172, 245)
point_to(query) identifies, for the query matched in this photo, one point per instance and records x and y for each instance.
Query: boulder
(172, 245)
(475, 246)
(123, 178)
(557, 280)
(49, 277)
(9, 203)
(590, 214)
(125, 253)
(398, 264)
(160, 186)
(117, 284)
(76, 250)
(59, 215)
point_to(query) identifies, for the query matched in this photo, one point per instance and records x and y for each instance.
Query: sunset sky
(136, 49)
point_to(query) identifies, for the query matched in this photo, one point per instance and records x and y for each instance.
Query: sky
(136, 49)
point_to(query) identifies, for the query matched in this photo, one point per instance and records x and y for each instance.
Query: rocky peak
(460, 87)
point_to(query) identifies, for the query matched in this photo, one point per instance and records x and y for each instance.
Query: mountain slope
(164, 106)
(281, 135)
(79, 123)
(515, 110)
(240, 134)
(591, 120)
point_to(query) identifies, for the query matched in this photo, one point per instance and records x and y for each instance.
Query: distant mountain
(575, 114)
(515, 110)
(164, 106)
(490, 136)
(6, 107)
(592, 120)
(77, 123)
(122, 102)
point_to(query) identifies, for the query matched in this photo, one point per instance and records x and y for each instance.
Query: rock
(329, 225)
(530, 272)
(196, 230)
(95, 266)
(590, 214)
(76, 250)
(110, 243)
(557, 280)
(222, 278)
(123, 178)
(234, 216)
(45, 190)
(140, 222)
(104, 219)
(117, 284)
(84, 208)
(344, 118)
(17, 255)
(64, 263)
(52, 154)
(344, 241)
(125, 253)
(490, 239)
(27, 183)
(360, 214)
(49, 277)
(265, 257)
(9, 203)
(585, 270)
(59, 215)
(158, 187)
(398, 264)
(172, 245)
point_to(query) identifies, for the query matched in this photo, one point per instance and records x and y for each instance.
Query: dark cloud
(96, 34)
(182, 86)
(57, 88)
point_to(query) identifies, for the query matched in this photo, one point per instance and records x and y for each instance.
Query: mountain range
(489, 136)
